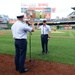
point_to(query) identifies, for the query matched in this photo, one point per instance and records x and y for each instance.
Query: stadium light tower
(73, 8)
(71, 16)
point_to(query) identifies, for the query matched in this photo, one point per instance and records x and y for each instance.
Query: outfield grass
(60, 49)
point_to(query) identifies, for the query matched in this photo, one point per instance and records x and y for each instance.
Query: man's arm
(49, 33)
(32, 24)
(38, 26)
(33, 27)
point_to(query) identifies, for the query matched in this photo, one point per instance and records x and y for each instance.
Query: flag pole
(30, 33)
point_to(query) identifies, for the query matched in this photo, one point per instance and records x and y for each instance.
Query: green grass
(61, 50)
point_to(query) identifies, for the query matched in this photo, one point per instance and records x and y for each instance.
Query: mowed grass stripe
(60, 49)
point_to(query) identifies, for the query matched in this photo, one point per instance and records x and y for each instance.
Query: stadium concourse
(36, 67)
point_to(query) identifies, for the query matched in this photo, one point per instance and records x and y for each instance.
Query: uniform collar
(44, 26)
(19, 21)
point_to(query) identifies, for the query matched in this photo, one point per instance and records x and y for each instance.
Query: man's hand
(31, 20)
(48, 37)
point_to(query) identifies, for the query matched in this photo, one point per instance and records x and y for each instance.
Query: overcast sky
(12, 7)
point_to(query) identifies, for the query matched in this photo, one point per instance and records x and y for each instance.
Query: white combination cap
(20, 15)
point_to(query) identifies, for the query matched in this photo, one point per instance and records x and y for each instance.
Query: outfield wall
(67, 27)
(3, 26)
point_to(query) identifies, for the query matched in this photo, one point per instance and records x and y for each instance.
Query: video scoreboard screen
(37, 13)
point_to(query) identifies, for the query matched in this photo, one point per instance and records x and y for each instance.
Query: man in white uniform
(45, 35)
(19, 32)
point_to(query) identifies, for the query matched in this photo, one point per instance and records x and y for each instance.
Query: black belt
(20, 39)
(44, 34)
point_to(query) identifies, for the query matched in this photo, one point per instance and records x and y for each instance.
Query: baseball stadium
(60, 59)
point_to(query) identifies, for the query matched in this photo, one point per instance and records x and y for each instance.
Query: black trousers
(44, 43)
(20, 55)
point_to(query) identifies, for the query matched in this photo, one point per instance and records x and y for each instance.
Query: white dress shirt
(45, 29)
(19, 30)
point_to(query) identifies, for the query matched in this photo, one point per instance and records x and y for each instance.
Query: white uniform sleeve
(27, 28)
(49, 28)
(39, 28)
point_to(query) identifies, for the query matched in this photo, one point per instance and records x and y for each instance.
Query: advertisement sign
(48, 16)
(34, 5)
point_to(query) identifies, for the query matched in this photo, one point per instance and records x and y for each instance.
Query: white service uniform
(44, 37)
(19, 30)
(45, 29)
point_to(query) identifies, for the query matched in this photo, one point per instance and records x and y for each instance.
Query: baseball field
(61, 50)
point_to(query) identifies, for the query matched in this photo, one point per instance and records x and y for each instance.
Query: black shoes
(17, 70)
(25, 70)
(43, 53)
(46, 52)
